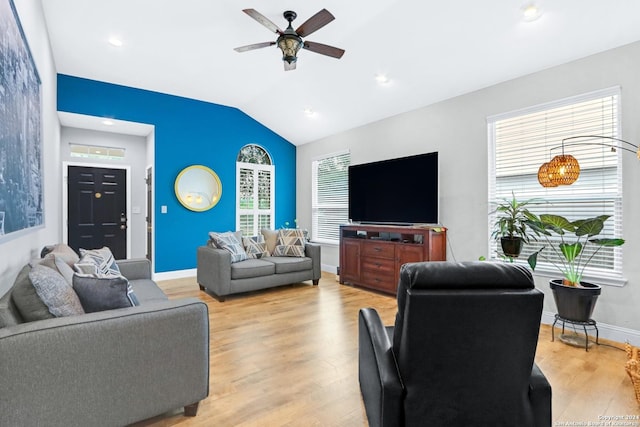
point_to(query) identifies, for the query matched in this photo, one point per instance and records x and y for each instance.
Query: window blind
(521, 141)
(330, 188)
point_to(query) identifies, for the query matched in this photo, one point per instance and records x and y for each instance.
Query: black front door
(97, 209)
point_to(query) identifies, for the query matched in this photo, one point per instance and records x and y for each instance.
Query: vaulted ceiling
(429, 51)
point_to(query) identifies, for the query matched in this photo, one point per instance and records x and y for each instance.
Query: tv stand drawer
(378, 265)
(378, 249)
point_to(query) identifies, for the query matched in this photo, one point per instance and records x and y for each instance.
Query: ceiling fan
(290, 40)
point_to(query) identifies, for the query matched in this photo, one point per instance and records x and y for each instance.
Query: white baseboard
(329, 268)
(610, 332)
(178, 274)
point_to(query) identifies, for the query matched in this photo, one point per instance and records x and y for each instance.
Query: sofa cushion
(290, 243)
(9, 313)
(229, 242)
(97, 261)
(55, 292)
(252, 268)
(103, 293)
(255, 246)
(147, 291)
(286, 264)
(26, 299)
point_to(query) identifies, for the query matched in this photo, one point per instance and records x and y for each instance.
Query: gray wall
(17, 250)
(135, 158)
(457, 129)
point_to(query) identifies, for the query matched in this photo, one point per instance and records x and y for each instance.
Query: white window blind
(255, 197)
(330, 197)
(521, 141)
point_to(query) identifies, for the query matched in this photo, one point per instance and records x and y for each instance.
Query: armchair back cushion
(464, 340)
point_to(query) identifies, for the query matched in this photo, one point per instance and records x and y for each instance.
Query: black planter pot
(511, 246)
(575, 303)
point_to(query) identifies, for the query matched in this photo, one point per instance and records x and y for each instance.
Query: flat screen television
(399, 191)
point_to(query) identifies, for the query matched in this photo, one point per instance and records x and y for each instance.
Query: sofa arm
(312, 250)
(113, 367)
(135, 268)
(214, 270)
(540, 396)
(380, 382)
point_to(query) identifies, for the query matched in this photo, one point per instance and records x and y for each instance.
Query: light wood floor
(288, 357)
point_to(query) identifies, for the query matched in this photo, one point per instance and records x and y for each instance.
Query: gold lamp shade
(545, 177)
(564, 169)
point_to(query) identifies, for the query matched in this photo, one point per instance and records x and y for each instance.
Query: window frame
(316, 206)
(613, 276)
(256, 211)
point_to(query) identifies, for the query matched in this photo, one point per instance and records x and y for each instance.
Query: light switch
(163, 209)
(135, 209)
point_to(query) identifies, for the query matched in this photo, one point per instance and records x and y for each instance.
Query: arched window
(255, 195)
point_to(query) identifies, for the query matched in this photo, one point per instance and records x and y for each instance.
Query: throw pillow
(229, 242)
(56, 262)
(24, 295)
(290, 243)
(55, 292)
(271, 239)
(255, 246)
(103, 293)
(63, 251)
(97, 261)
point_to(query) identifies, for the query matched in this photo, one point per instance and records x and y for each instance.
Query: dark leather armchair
(461, 352)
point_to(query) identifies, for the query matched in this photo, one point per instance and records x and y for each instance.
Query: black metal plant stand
(590, 324)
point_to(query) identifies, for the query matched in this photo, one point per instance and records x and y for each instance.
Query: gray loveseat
(108, 368)
(218, 276)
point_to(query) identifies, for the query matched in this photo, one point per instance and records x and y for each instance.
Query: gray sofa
(219, 277)
(108, 368)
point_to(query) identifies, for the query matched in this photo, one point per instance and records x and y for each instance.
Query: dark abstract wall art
(21, 182)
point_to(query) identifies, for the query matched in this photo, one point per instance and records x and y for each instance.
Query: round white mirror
(198, 188)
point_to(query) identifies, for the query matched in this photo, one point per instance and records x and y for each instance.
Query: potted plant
(511, 225)
(574, 298)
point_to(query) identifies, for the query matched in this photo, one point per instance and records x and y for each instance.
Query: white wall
(14, 253)
(135, 158)
(457, 129)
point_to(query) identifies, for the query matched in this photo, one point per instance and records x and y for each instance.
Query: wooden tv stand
(371, 255)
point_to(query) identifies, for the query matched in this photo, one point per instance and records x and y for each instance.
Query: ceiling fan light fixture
(289, 44)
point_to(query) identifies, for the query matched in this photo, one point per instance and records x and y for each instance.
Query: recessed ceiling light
(107, 122)
(531, 12)
(309, 112)
(114, 41)
(382, 79)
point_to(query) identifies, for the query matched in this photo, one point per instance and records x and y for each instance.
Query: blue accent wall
(187, 132)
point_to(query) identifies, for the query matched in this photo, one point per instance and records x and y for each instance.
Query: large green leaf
(556, 223)
(589, 227)
(608, 242)
(533, 259)
(570, 252)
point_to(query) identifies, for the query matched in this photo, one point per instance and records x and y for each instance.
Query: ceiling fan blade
(263, 20)
(289, 66)
(253, 46)
(324, 49)
(314, 23)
